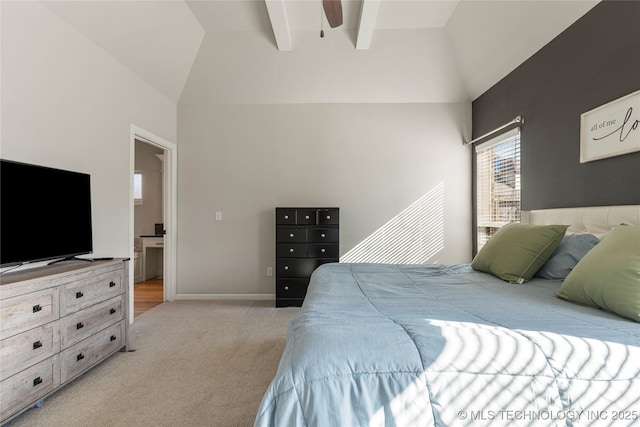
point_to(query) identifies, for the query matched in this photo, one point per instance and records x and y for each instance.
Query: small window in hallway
(137, 188)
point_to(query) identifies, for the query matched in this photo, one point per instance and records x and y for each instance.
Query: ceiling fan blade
(333, 11)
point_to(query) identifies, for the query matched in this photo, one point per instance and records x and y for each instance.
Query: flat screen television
(45, 213)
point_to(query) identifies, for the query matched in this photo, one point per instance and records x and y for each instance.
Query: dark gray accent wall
(594, 61)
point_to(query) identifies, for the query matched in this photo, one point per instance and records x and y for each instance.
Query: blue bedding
(443, 345)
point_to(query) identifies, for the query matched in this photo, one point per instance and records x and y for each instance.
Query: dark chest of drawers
(305, 239)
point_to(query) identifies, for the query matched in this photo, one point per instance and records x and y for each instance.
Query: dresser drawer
(85, 354)
(330, 235)
(291, 250)
(28, 348)
(291, 235)
(84, 293)
(82, 324)
(322, 250)
(29, 386)
(291, 288)
(306, 217)
(328, 216)
(286, 216)
(28, 311)
(295, 267)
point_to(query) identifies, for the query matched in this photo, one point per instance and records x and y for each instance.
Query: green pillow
(608, 276)
(517, 251)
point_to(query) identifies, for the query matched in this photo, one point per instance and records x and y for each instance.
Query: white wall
(68, 104)
(371, 160)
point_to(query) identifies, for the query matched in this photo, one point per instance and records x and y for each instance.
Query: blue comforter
(443, 345)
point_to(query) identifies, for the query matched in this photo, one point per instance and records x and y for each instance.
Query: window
(137, 188)
(497, 184)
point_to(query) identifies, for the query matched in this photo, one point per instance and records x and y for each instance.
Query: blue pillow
(570, 250)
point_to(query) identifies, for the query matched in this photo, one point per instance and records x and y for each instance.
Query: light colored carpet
(197, 363)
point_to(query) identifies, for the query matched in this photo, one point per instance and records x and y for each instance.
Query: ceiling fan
(333, 12)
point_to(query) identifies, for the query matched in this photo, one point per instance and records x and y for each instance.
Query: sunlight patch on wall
(411, 237)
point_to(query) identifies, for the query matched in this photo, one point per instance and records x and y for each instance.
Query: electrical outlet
(269, 271)
(218, 216)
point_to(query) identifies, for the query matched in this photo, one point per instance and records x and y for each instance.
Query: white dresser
(56, 323)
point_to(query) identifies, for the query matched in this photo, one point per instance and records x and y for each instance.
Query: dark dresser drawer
(293, 235)
(291, 288)
(330, 235)
(306, 217)
(291, 250)
(328, 217)
(286, 216)
(295, 267)
(321, 250)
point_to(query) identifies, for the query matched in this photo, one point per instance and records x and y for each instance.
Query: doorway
(152, 221)
(148, 227)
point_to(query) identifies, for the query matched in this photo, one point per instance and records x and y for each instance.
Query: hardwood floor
(147, 295)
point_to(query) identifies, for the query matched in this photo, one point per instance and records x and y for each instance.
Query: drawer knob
(291, 250)
(286, 217)
(328, 216)
(112, 311)
(291, 234)
(37, 381)
(37, 345)
(323, 250)
(323, 235)
(286, 267)
(79, 294)
(79, 357)
(79, 325)
(306, 217)
(37, 308)
(286, 288)
(112, 284)
(113, 338)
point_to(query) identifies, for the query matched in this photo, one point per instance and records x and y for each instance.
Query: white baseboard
(260, 297)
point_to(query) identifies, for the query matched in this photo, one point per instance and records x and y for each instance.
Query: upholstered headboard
(596, 220)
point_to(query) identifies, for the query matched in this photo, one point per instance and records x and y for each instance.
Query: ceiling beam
(367, 23)
(280, 23)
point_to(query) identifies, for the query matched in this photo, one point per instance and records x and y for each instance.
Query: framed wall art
(611, 130)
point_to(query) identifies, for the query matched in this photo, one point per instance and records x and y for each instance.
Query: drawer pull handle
(328, 216)
(37, 381)
(37, 345)
(79, 357)
(286, 217)
(291, 234)
(323, 250)
(112, 311)
(291, 250)
(37, 308)
(306, 217)
(323, 235)
(286, 267)
(112, 284)
(286, 288)
(113, 338)
(79, 294)
(79, 325)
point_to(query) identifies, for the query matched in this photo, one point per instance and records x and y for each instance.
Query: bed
(442, 345)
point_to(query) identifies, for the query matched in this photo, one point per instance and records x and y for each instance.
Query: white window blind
(497, 184)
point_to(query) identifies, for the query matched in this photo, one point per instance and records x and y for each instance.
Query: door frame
(169, 208)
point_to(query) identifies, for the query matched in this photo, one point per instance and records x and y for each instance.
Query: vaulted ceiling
(270, 51)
